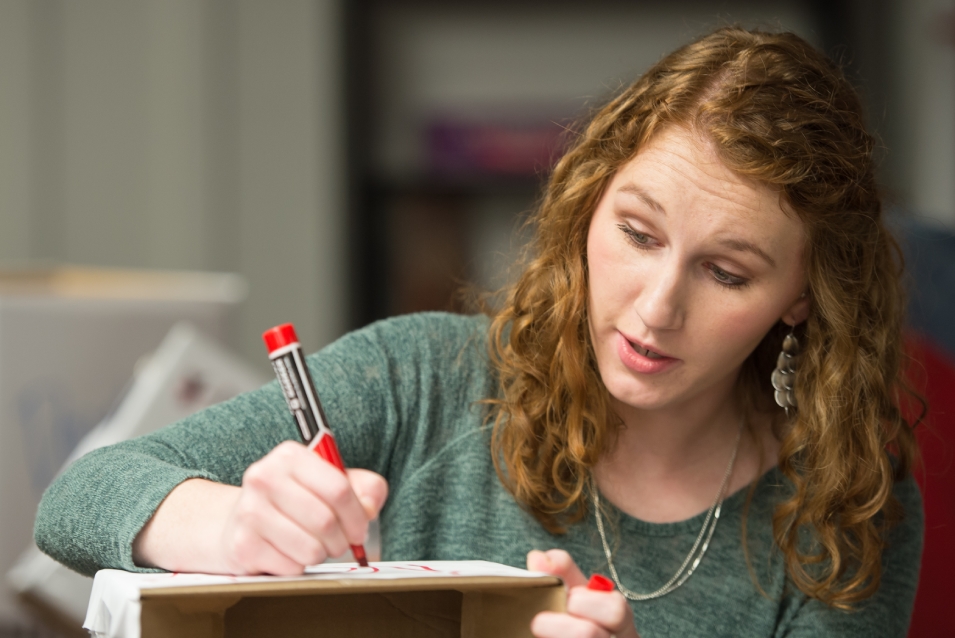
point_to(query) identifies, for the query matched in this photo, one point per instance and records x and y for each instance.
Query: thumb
(556, 562)
(371, 490)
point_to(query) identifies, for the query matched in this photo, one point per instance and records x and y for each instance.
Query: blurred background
(346, 156)
(355, 159)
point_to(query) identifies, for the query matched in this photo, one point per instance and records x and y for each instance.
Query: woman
(715, 229)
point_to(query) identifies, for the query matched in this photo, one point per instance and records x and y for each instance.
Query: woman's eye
(725, 278)
(641, 239)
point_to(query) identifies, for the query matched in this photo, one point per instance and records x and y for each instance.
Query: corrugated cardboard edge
(339, 586)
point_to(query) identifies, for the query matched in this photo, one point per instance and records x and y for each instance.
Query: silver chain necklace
(690, 563)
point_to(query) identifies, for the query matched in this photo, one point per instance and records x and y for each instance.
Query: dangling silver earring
(784, 375)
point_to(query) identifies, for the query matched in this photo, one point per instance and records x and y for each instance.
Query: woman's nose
(660, 303)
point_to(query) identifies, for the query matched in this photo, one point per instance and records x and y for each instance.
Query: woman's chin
(643, 399)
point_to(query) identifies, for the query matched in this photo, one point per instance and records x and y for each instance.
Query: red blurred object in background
(933, 375)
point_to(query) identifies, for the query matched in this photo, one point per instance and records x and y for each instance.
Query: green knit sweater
(402, 396)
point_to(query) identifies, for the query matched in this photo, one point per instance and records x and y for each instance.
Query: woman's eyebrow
(733, 243)
(741, 245)
(632, 189)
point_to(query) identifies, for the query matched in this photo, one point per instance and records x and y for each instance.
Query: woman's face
(690, 265)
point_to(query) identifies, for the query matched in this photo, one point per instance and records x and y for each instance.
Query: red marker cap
(279, 337)
(600, 583)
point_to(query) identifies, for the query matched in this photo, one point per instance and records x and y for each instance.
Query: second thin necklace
(699, 548)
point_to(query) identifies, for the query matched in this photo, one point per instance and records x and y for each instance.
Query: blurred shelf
(455, 185)
(451, 109)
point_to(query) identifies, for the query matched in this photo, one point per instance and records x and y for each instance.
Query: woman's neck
(667, 465)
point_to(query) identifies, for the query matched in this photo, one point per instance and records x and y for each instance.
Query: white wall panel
(15, 123)
(183, 134)
(925, 79)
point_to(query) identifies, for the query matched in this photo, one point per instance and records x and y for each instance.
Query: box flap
(480, 598)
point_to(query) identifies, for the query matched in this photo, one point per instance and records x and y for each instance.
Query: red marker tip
(359, 552)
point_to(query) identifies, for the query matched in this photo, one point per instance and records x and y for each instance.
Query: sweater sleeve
(90, 515)
(888, 612)
(369, 382)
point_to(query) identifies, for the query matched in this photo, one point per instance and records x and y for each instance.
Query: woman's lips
(640, 359)
(650, 354)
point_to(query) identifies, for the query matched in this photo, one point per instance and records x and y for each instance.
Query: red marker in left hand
(296, 382)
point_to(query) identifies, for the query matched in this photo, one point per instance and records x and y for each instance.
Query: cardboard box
(466, 599)
(69, 342)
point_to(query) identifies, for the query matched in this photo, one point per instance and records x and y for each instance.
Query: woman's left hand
(590, 614)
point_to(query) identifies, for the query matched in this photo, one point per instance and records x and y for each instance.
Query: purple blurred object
(507, 147)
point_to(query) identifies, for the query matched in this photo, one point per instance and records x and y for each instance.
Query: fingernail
(370, 507)
(543, 556)
(598, 582)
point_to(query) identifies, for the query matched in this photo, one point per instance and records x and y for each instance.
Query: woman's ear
(798, 312)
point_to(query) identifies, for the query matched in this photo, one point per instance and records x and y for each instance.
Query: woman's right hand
(293, 509)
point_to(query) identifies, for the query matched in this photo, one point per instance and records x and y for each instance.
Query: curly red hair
(782, 113)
